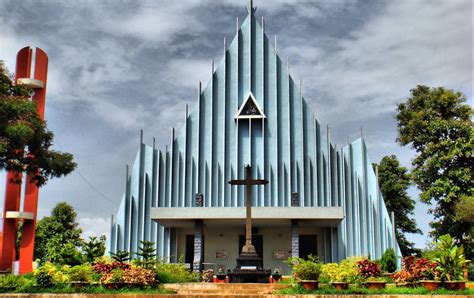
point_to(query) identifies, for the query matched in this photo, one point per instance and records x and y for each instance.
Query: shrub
(305, 269)
(415, 269)
(389, 261)
(346, 271)
(43, 278)
(114, 276)
(368, 269)
(104, 268)
(57, 275)
(139, 276)
(174, 273)
(81, 273)
(10, 282)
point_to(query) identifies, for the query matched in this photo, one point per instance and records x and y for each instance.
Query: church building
(320, 198)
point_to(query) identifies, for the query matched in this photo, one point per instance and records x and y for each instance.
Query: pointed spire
(225, 45)
(186, 113)
(212, 66)
(154, 143)
(250, 8)
(362, 132)
(275, 43)
(263, 24)
(141, 136)
(237, 25)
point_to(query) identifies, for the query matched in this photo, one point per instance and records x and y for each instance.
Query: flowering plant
(368, 268)
(57, 275)
(346, 271)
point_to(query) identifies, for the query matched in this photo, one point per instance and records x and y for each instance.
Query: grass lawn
(328, 289)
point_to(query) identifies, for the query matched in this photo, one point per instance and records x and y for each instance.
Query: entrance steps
(225, 290)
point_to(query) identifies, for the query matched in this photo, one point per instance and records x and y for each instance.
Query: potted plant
(451, 261)
(427, 273)
(306, 272)
(406, 277)
(221, 275)
(207, 275)
(341, 275)
(276, 275)
(372, 274)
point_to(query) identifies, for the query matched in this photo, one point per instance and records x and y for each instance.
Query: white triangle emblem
(250, 109)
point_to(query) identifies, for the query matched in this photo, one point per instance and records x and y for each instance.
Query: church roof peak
(250, 8)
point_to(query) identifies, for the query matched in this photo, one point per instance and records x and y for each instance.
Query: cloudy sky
(119, 66)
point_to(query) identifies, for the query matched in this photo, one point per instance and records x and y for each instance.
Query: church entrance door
(308, 246)
(257, 241)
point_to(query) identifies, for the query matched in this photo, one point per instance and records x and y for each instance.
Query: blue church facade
(320, 199)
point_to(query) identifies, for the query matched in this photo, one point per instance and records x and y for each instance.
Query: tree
(58, 236)
(394, 181)
(94, 248)
(25, 140)
(120, 256)
(437, 123)
(146, 254)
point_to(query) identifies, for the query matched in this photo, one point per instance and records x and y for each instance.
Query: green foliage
(451, 260)
(309, 269)
(10, 282)
(146, 255)
(389, 261)
(346, 271)
(25, 140)
(58, 236)
(82, 273)
(120, 256)
(437, 123)
(465, 209)
(394, 181)
(174, 273)
(44, 278)
(94, 248)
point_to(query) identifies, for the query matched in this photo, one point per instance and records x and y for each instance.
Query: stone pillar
(199, 200)
(295, 238)
(198, 245)
(295, 199)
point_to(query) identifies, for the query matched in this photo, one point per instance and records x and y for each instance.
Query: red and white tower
(11, 212)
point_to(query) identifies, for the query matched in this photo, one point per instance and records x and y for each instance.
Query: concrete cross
(248, 182)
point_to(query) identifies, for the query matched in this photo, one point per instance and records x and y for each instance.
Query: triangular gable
(250, 109)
